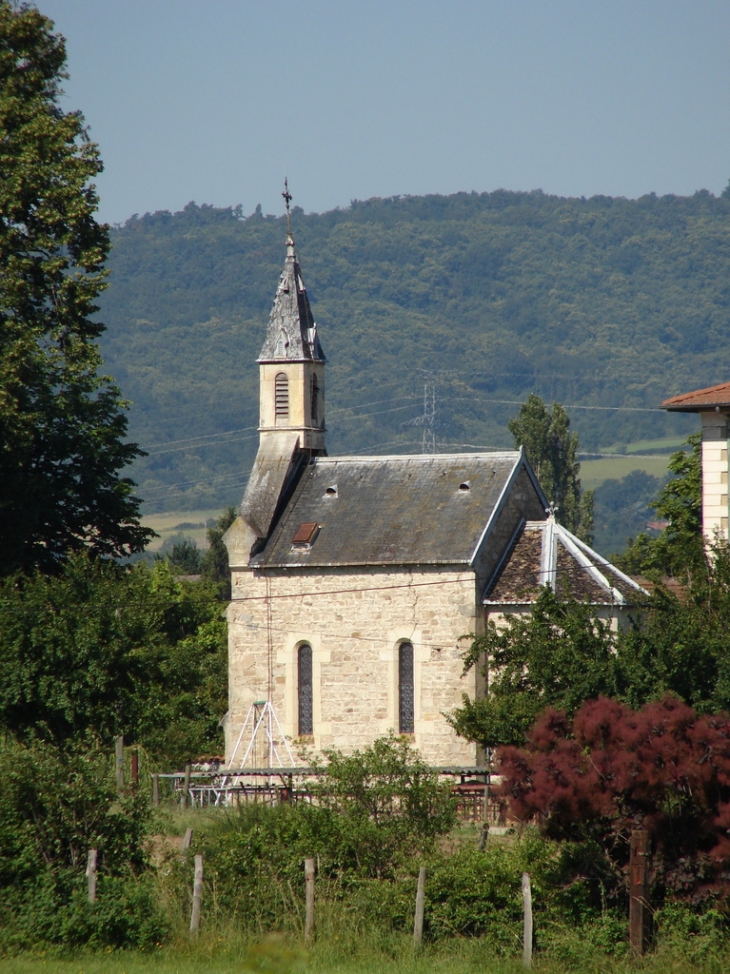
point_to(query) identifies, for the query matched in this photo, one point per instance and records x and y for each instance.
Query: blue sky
(215, 102)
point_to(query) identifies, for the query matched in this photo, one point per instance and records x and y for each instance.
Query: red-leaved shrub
(610, 770)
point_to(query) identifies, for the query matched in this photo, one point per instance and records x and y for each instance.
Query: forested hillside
(599, 303)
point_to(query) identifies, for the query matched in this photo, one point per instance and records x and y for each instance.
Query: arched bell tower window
(281, 395)
(305, 696)
(315, 399)
(406, 720)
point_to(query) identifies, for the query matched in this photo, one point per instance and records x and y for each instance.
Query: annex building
(355, 579)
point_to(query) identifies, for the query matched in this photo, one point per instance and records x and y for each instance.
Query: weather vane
(287, 200)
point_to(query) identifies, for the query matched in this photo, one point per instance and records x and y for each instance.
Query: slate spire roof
(292, 333)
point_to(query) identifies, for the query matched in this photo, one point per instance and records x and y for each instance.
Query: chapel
(355, 580)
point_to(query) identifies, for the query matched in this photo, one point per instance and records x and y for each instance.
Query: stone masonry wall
(354, 623)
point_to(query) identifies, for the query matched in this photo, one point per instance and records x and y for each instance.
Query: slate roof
(700, 400)
(545, 553)
(405, 510)
(291, 334)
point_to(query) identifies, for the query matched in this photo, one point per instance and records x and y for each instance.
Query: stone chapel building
(354, 579)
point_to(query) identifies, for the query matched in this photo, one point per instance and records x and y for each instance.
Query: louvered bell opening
(281, 394)
(314, 396)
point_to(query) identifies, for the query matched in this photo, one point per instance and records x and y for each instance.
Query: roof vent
(465, 485)
(305, 535)
(331, 491)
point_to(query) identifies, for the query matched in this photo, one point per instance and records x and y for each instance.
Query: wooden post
(527, 921)
(420, 901)
(91, 874)
(638, 891)
(155, 790)
(135, 768)
(485, 810)
(197, 895)
(187, 840)
(309, 898)
(119, 752)
(186, 788)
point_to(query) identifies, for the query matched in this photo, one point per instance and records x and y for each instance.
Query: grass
(594, 472)
(669, 444)
(276, 955)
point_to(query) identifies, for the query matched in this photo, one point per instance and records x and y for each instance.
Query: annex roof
(545, 553)
(393, 510)
(701, 400)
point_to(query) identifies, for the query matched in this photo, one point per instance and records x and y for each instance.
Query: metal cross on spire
(287, 200)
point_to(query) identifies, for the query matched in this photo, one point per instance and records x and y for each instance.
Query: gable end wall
(354, 622)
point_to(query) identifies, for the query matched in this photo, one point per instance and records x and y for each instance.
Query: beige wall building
(354, 580)
(713, 405)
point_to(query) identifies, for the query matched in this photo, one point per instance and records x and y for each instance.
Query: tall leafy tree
(679, 551)
(215, 560)
(62, 423)
(100, 649)
(553, 452)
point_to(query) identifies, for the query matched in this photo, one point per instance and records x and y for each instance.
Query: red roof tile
(700, 400)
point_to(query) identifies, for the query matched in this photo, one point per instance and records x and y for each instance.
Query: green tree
(552, 450)
(679, 551)
(558, 656)
(62, 424)
(184, 557)
(102, 649)
(214, 565)
(561, 655)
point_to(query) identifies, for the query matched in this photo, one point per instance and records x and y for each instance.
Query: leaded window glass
(304, 668)
(405, 689)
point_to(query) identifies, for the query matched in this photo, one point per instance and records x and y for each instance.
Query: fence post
(155, 790)
(485, 809)
(187, 840)
(638, 891)
(197, 895)
(91, 874)
(119, 753)
(420, 901)
(186, 787)
(309, 898)
(527, 921)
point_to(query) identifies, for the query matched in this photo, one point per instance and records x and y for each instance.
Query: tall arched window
(281, 395)
(315, 399)
(304, 690)
(405, 689)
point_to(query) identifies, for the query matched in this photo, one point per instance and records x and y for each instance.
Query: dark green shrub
(54, 807)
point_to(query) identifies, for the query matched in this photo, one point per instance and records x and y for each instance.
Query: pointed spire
(292, 332)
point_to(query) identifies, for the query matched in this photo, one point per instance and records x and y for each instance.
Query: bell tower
(291, 363)
(291, 407)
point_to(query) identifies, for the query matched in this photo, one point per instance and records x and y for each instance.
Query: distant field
(669, 444)
(594, 472)
(176, 522)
